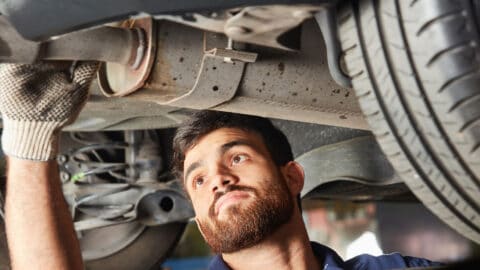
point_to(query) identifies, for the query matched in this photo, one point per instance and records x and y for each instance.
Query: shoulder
(389, 261)
(217, 263)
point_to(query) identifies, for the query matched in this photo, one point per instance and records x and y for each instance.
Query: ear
(295, 176)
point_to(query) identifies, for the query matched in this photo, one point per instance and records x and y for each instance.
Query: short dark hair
(204, 122)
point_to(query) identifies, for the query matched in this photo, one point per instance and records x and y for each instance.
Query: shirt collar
(325, 255)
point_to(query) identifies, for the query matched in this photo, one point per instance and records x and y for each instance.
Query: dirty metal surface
(178, 59)
(211, 87)
(294, 85)
(297, 86)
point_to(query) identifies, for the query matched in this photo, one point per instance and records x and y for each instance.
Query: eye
(239, 159)
(198, 182)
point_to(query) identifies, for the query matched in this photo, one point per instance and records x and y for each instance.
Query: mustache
(229, 188)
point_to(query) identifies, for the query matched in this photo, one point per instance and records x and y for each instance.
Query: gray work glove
(36, 101)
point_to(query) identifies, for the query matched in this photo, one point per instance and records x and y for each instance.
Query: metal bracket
(326, 21)
(274, 26)
(220, 75)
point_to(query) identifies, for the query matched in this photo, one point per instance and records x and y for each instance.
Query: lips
(229, 197)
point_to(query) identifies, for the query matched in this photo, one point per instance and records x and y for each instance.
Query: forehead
(215, 139)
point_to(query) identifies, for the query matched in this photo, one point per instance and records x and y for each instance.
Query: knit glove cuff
(30, 140)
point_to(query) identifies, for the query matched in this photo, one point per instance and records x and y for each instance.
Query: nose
(221, 179)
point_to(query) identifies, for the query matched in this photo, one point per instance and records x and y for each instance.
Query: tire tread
(397, 102)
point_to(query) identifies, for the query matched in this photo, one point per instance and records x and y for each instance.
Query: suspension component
(109, 182)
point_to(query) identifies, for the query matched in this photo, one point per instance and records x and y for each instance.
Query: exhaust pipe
(107, 44)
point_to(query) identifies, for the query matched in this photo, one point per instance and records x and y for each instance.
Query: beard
(248, 225)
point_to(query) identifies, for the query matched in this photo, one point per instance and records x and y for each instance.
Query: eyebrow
(190, 169)
(227, 146)
(223, 149)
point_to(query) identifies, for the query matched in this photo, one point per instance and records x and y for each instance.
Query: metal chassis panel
(286, 85)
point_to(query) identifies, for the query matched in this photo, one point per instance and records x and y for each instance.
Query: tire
(415, 69)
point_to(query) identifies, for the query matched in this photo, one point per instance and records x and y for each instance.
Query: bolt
(64, 176)
(234, 31)
(61, 159)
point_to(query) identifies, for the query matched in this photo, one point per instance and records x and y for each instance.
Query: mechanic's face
(239, 195)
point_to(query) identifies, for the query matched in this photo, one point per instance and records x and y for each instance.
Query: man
(237, 170)
(244, 186)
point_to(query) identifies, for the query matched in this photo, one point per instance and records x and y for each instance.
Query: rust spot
(294, 94)
(314, 100)
(347, 94)
(161, 76)
(268, 73)
(180, 60)
(306, 89)
(343, 117)
(281, 67)
(263, 83)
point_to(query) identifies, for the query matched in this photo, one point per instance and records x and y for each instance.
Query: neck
(287, 248)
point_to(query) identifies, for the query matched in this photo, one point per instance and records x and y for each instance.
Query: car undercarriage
(379, 99)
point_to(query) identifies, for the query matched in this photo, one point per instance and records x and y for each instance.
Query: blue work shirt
(331, 261)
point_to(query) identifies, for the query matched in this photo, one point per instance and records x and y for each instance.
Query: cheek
(255, 172)
(260, 180)
(201, 207)
(262, 173)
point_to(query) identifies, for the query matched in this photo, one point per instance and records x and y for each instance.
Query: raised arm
(39, 226)
(36, 101)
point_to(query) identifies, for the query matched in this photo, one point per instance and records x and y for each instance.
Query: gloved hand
(36, 101)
